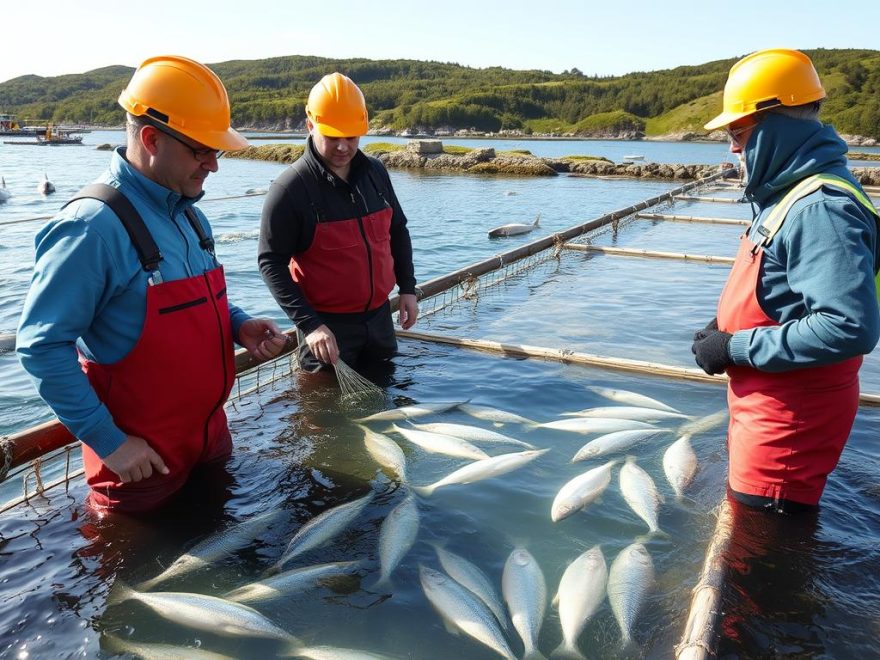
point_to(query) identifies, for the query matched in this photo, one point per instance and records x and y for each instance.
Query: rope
(256, 193)
(5, 457)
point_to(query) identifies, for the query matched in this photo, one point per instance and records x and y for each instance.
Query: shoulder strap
(771, 225)
(148, 251)
(205, 241)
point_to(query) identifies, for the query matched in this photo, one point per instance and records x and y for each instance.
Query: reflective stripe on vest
(773, 222)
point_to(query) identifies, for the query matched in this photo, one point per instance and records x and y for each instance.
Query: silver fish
(581, 491)
(398, 533)
(463, 611)
(147, 651)
(680, 464)
(640, 492)
(630, 398)
(215, 547)
(628, 412)
(288, 582)
(703, 424)
(525, 593)
(629, 580)
(581, 591)
(321, 529)
(209, 613)
(471, 433)
(436, 443)
(489, 414)
(614, 442)
(595, 425)
(405, 412)
(385, 452)
(336, 653)
(514, 229)
(471, 577)
(485, 469)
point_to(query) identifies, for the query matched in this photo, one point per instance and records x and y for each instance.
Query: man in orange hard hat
(799, 309)
(127, 330)
(334, 240)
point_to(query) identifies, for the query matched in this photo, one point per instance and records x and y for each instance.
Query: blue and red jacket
(331, 246)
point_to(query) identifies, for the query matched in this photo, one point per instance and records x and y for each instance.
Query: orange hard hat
(767, 79)
(337, 108)
(185, 96)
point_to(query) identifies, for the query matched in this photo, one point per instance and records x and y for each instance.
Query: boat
(58, 136)
(9, 125)
(634, 157)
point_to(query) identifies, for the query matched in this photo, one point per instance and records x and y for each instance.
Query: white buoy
(45, 187)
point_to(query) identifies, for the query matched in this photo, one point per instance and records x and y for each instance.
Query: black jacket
(307, 193)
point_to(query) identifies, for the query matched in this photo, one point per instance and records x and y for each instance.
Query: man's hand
(710, 351)
(408, 310)
(322, 344)
(701, 334)
(134, 460)
(262, 338)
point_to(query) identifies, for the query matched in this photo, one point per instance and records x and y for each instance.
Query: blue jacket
(817, 276)
(88, 291)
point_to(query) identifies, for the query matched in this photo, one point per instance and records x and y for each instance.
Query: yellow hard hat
(337, 107)
(767, 79)
(187, 97)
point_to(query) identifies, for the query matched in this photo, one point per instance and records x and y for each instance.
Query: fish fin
(555, 603)
(452, 630)
(498, 424)
(423, 491)
(121, 592)
(537, 222)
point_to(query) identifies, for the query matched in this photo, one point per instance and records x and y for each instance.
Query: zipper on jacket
(369, 251)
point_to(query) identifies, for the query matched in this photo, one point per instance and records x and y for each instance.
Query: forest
(270, 94)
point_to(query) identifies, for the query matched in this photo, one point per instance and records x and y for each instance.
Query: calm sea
(298, 450)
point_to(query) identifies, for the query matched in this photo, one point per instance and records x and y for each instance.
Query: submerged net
(356, 388)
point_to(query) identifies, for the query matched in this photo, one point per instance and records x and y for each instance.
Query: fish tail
(567, 650)
(120, 592)
(383, 584)
(534, 654)
(423, 491)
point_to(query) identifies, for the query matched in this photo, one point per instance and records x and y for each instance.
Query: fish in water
(321, 529)
(703, 424)
(630, 398)
(437, 443)
(581, 591)
(628, 412)
(471, 433)
(680, 465)
(208, 613)
(405, 412)
(385, 452)
(514, 229)
(215, 547)
(640, 492)
(289, 582)
(525, 592)
(614, 442)
(337, 653)
(4, 193)
(7, 341)
(581, 491)
(489, 414)
(128, 647)
(484, 469)
(471, 577)
(45, 187)
(596, 425)
(461, 610)
(398, 533)
(629, 580)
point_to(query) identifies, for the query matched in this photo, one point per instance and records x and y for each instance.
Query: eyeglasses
(201, 155)
(734, 133)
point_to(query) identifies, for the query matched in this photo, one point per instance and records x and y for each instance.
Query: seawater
(297, 448)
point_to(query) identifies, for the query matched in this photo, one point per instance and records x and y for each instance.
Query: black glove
(711, 350)
(701, 334)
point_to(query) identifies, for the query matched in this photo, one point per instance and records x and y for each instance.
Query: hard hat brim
(331, 131)
(725, 119)
(228, 140)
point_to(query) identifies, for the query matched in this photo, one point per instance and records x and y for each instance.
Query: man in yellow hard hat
(334, 240)
(127, 330)
(799, 309)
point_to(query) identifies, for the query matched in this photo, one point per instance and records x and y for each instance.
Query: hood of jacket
(782, 151)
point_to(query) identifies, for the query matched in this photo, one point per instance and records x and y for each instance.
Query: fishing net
(356, 389)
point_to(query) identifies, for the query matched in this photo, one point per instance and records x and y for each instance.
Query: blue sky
(606, 38)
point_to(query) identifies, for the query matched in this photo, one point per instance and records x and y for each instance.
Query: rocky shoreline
(430, 155)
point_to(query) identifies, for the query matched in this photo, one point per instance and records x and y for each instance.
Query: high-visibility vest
(773, 222)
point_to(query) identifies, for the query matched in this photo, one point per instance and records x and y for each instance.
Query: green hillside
(409, 94)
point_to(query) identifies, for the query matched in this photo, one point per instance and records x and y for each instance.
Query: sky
(604, 38)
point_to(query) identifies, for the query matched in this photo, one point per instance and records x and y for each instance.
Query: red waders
(170, 389)
(787, 430)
